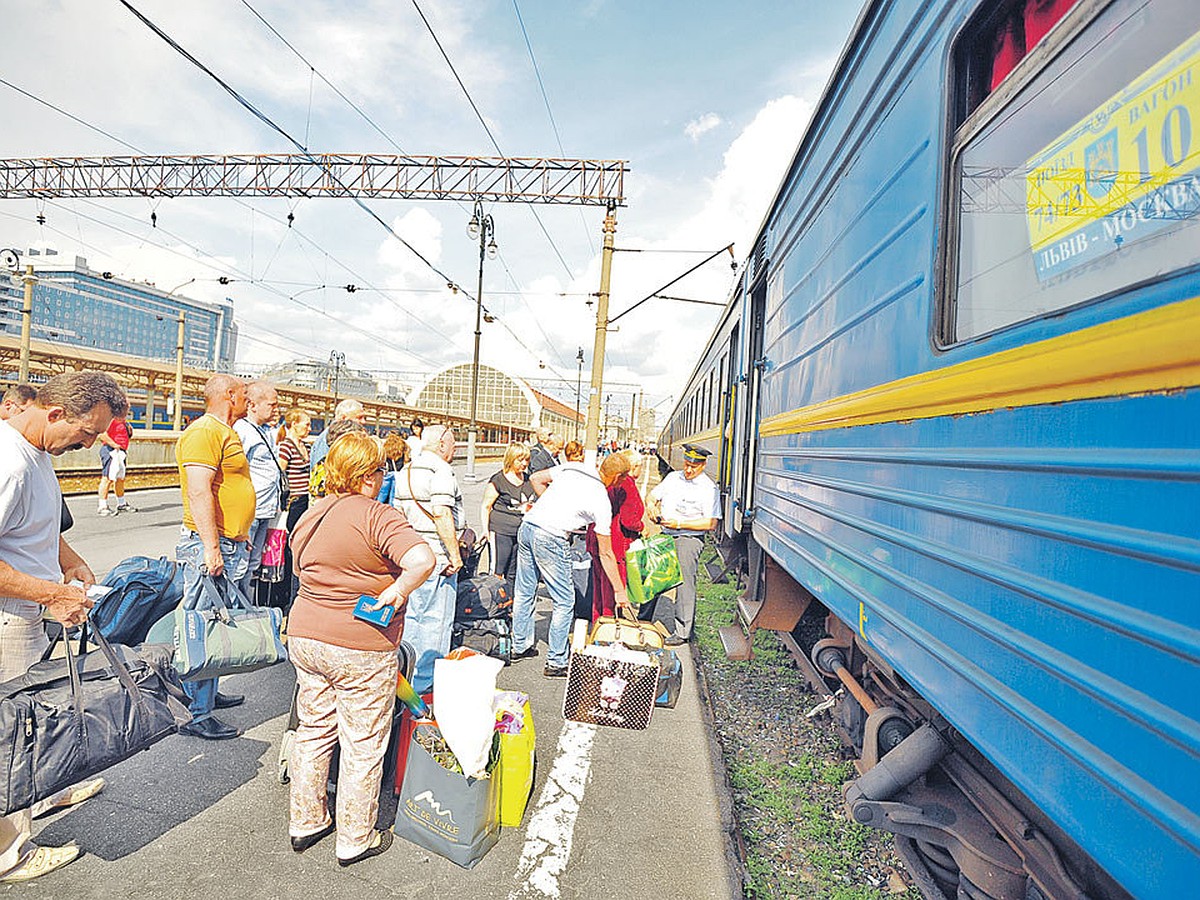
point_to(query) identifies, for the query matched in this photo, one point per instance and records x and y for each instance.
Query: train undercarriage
(963, 830)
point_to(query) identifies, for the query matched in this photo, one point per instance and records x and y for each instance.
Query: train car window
(1003, 38)
(1087, 180)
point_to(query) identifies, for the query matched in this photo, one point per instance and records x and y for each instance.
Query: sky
(705, 101)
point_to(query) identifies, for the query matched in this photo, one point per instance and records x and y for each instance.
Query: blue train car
(956, 404)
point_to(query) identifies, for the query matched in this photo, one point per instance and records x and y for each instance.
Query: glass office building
(80, 307)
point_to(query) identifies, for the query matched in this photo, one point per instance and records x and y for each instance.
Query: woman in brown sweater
(345, 546)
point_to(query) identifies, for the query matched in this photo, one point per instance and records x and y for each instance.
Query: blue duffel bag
(143, 591)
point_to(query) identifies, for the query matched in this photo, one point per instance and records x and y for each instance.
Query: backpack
(143, 591)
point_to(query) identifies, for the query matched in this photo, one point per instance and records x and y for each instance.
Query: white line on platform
(551, 828)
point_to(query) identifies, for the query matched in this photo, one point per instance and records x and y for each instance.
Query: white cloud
(705, 123)
(423, 231)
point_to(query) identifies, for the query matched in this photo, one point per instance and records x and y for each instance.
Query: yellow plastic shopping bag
(516, 771)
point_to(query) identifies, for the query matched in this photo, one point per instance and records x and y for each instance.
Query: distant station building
(503, 398)
(322, 376)
(78, 306)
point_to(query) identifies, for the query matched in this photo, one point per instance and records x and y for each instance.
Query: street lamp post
(337, 359)
(578, 388)
(482, 227)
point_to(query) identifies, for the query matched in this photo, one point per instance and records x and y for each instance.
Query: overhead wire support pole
(29, 280)
(593, 419)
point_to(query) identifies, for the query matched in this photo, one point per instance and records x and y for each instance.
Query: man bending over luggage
(575, 498)
(69, 412)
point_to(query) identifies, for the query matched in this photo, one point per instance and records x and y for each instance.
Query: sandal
(40, 862)
(385, 841)
(85, 790)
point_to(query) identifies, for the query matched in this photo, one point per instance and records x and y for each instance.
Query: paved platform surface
(614, 814)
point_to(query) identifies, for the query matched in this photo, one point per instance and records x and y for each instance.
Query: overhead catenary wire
(487, 129)
(269, 123)
(549, 113)
(362, 113)
(655, 293)
(141, 238)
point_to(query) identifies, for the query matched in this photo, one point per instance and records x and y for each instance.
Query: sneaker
(40, 862)
(126, 507)
(529, 652)
(104, 511)
(555, 671)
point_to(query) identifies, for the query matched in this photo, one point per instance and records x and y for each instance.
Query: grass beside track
(786, 773)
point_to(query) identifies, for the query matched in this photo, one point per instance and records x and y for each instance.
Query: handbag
(624, 629)
(67, 719)
(651, 567)
(273, 567)
(218, 632)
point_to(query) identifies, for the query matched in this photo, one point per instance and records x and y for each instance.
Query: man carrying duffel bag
(70, 410)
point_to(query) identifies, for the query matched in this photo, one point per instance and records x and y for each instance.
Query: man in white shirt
(37, 564)
(686, 504)
(258, 443)
(574, 499)
(427, 492)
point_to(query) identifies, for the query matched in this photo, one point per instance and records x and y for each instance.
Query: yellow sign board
(1127, 170)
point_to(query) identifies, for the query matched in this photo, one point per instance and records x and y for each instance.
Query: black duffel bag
(482, 597)
(67, 719)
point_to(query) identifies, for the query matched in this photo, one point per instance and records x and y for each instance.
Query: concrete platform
(614, 814)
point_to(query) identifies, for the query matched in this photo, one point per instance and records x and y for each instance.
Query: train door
(728, 388)
(746, 407)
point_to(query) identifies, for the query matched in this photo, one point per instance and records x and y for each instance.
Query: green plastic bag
(651, 567)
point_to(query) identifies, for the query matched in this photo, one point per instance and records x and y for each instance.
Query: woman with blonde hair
(506, 499)
(347, 546)
(627, 512)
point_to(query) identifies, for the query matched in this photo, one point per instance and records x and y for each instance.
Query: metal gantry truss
(578, 182)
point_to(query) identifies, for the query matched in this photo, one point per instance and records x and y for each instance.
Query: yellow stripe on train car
(1147, 352)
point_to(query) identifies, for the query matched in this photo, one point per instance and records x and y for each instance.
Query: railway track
(84, 481)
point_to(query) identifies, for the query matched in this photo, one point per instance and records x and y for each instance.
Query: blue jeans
(257, 542)
(428, 618)
(543, 554)
(236, 554)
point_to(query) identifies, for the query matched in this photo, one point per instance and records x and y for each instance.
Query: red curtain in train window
(1020, 31)
(1041, 16)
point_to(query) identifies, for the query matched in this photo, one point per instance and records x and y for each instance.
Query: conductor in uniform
(686, 504)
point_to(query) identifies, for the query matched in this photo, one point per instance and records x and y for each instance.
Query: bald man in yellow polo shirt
(218, 509)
